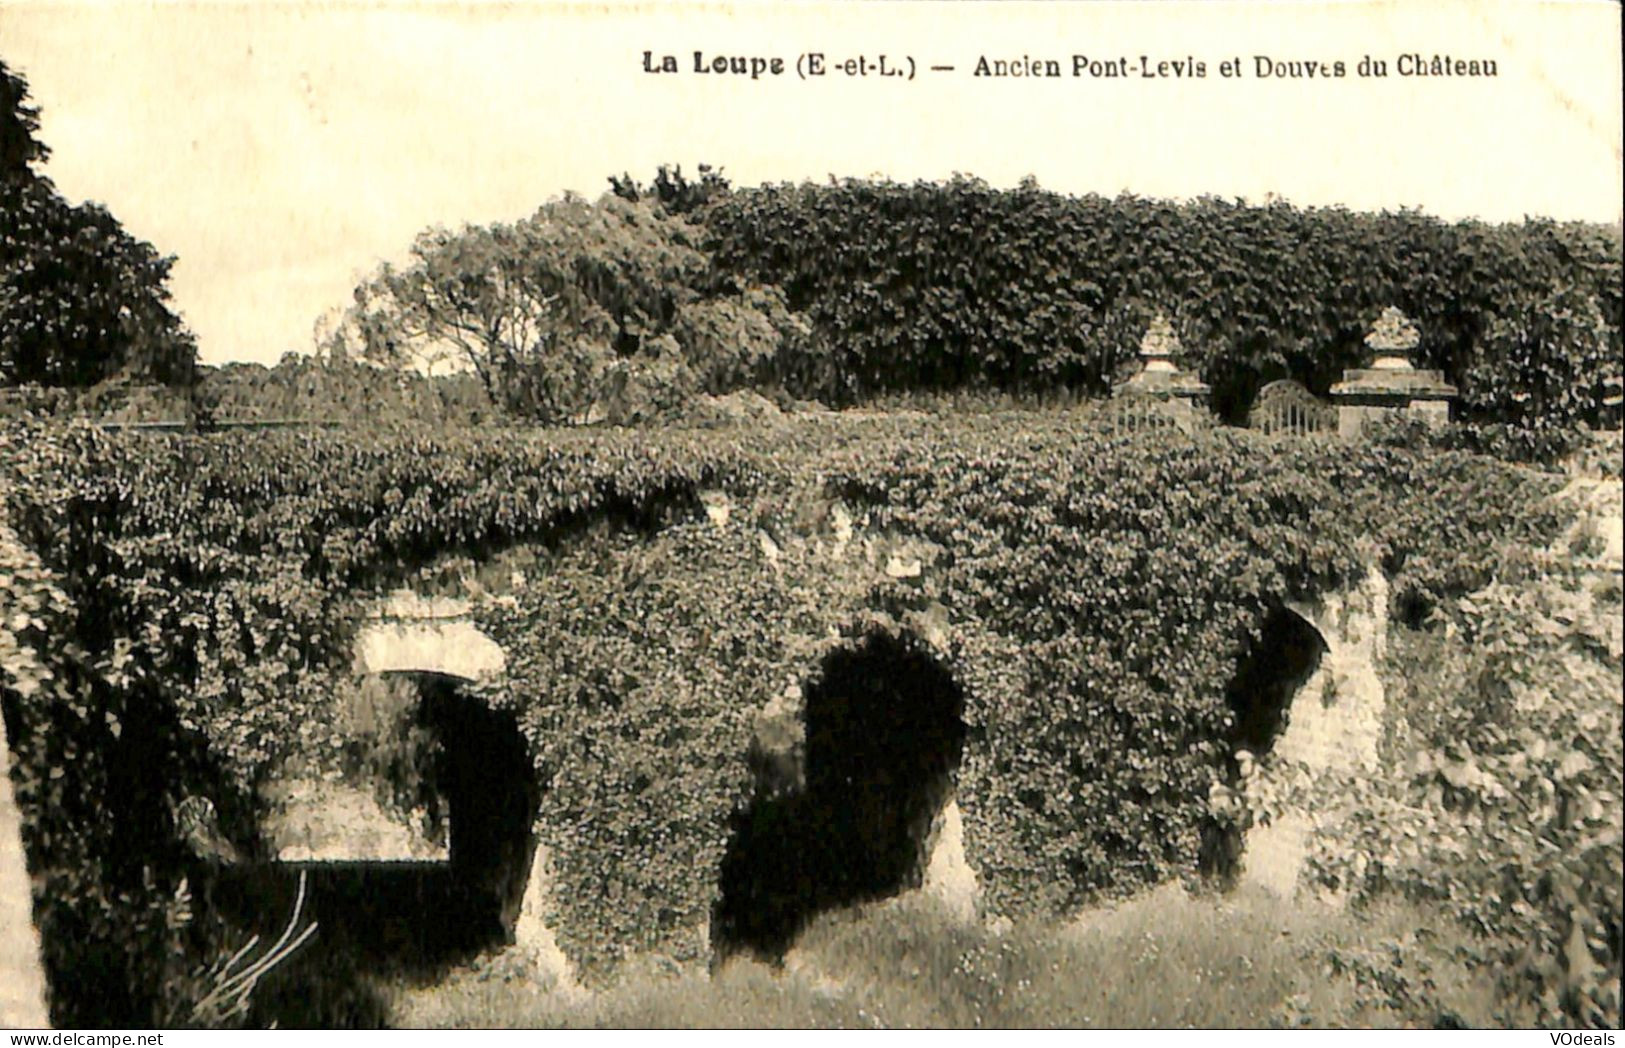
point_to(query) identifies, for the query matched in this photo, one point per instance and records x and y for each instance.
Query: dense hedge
(299, 388)
(318, 388)
(1090, 595)
(957, 284)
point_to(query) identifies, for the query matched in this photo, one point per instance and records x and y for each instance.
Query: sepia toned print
(950, 516)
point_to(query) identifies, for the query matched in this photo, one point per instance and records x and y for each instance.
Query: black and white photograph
(811, 516)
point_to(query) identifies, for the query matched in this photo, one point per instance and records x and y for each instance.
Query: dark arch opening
(1233, 388)
(1270, 672)
(884, 734)
(415, 918)
(485, 773)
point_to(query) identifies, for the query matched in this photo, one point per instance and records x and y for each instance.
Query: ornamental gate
(1136, 414)
(1286, 407)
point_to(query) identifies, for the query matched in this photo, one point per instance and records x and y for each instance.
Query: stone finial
(1160, 377)
(1160, 345)
(1393, 338)
(1392, 384)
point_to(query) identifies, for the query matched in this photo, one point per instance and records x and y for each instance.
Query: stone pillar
(1391, 385)
(1160, 379)
(948, 879)
(533, 939)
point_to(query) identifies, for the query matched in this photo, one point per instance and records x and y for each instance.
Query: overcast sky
(281, 151)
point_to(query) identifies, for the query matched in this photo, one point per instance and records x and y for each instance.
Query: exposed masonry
(23, 1002)
(22, 980)
(1333, 722)
(407, 633)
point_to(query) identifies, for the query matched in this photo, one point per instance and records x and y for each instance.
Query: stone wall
(311, 820)
(22, 980)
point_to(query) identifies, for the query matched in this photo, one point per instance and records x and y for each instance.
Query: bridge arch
(406, 633)
(413, 659)
(883, 733)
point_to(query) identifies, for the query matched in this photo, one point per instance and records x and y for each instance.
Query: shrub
(94, 758)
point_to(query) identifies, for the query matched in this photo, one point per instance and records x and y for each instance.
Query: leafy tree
(584, 311)
(81, 301)
(19, 122)
(672, 190)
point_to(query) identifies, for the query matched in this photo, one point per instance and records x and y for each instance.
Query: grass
(1166, 960)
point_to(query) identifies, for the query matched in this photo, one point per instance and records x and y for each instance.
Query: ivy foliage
(1090, 595)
